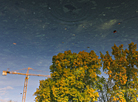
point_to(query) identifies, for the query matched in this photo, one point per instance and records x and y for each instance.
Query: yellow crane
(26, 79)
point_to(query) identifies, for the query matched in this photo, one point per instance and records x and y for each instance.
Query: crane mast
(26, 80)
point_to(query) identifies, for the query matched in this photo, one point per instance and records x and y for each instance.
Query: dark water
(32, 31)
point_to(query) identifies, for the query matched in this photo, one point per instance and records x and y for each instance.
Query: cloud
(1, 100)
(5, 88)
(6, 100)
(108, 24)
(3, 91)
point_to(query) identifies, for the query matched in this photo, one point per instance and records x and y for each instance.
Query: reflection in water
(70, 13)
(32, 31)
(70, 7)
(108, 24)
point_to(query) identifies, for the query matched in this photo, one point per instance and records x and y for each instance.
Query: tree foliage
(44, 93)
(74, 77)
(123, 70)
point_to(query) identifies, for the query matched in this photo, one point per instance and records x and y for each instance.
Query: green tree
(123, 70)
(74, 77)
(44, 93)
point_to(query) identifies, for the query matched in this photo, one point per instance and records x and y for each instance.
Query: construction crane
(26, 79)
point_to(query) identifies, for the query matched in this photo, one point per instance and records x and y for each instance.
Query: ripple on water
(70, 12)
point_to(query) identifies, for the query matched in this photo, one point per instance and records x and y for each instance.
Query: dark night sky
(32, 31)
